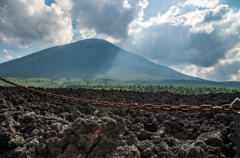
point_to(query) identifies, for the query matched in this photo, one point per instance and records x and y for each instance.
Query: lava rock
(33, 143)
(16, 141)
(125, 151)
(212, 138)
(56, 127)
(195, 152)
(201, 144)
(35, 132)
(40, 126)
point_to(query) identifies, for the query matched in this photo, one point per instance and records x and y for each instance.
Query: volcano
(88, 59)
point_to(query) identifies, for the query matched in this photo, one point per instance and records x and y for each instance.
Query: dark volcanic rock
(32, 125)
(196, 152)
(125, 151)
(212, 138)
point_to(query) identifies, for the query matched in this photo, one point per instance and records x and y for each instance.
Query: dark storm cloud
(109, 17)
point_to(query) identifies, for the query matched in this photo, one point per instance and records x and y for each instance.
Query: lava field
(34, 125)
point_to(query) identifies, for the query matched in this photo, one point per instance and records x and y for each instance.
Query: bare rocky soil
(32, 125)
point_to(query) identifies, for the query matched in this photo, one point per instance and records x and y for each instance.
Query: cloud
(194, 70)
(202, 3)
(106, 17)
(234, 23)
(235, 77)
(201, 42)
(23, 23)
(173, 44)
(225, 69)
(9, 57)
(66, 5)
(201, 21)
(231, 56)
(217, 14)
(218, 72)
(5, 50)
(205, 19)
(126, 4)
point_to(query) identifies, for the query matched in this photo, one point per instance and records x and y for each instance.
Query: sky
(200, 38)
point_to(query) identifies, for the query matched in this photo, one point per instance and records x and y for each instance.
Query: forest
(158, 88)
(183, 87)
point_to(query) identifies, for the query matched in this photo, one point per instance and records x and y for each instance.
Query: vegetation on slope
(185, 87)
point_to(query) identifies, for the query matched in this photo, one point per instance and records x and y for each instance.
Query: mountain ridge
(88, 59)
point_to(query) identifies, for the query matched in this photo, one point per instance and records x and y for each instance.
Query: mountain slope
(90, 58)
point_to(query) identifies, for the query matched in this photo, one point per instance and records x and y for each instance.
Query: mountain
(88, 59)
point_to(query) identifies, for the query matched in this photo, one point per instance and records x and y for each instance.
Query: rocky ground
(32, 125)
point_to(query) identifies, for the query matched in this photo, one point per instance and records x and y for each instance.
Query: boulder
(16, 141)
(56, 127)
(195, 152)
(33, 143)
(212, 138)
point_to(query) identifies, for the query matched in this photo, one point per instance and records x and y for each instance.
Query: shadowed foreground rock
(37, 126)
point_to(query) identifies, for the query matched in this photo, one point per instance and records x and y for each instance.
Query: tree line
(159, 88)
(184, 87)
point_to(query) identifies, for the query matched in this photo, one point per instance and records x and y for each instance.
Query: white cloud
(202, 3)
(203, 21)
(169, 17)
(19, 56)
(193, 70)
(231, 56)
(112, 40)
(138, 20)
(202, 28)
(176, 15)
(66, 5)
(126, 4)
(234, 21)
(23, 23)
(235, 77)
(5, 50)
(9, 57)
(87, 33)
